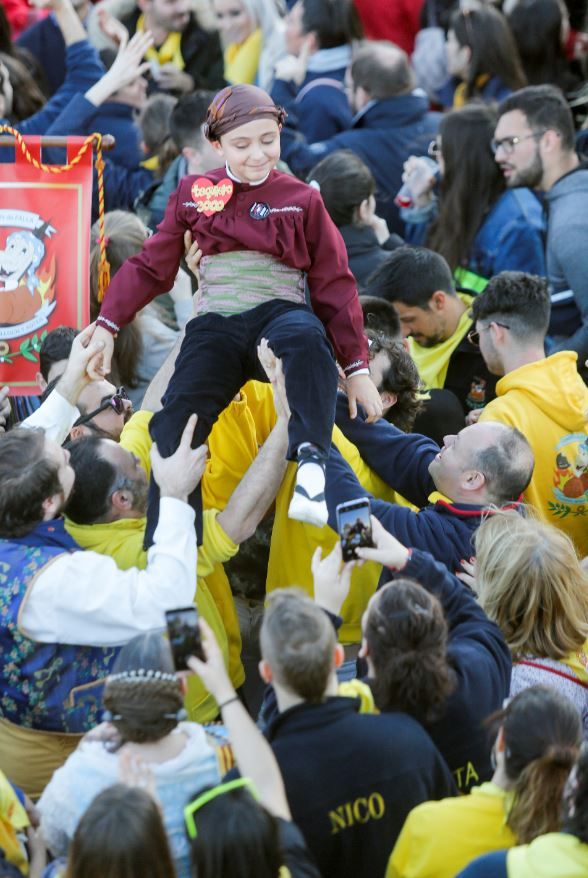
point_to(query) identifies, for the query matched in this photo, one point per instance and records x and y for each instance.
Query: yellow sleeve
(233, 446)
(216, 546)
(136, 439)
(399, 862)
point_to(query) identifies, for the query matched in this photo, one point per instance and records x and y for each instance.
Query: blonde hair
(531, 584)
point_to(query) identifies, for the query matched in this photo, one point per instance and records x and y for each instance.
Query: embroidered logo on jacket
(259, 210)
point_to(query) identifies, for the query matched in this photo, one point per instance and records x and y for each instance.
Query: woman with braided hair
(144, 708)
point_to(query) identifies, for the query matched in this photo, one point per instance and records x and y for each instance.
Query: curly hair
(401, 379)
(406, 634)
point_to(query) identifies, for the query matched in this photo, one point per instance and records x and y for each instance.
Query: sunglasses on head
(116, 402)
(209, 795)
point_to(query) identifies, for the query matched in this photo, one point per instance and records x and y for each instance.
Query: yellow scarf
(169, 51)
(433, 363)
(242, 59)
(459, 95)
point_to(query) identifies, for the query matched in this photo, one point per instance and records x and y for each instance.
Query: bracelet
(228, 701)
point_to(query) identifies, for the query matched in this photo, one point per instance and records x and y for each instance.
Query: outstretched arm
(253, 754)
(259, 486)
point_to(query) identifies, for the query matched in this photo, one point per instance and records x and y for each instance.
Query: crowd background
(421, 710)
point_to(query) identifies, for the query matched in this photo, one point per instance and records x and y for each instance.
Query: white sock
(310, 477)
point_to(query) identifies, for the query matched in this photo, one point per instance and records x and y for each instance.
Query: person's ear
(122, 501)
(265, 672)
(78, 431)
(364, 212)
(500, 743)
(550, 141)
(364, 649)
(183, 684)
(216, 145)
(438, 300)
(473, 480)
(339, 655)
(40, 382)
(52, 506)
(388, 399)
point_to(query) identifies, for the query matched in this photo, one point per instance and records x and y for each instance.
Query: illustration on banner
(27, 273)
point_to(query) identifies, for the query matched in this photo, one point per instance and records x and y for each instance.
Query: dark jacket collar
(306, 717)
(403, 110)
(467, 510)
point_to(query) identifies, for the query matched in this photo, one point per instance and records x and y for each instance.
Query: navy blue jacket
(122, 186)
(481, 660)
(45, 42)
(84, 69)
(384, 134)
(119, 120)
(364, 251)
(321, 105)
(443, 529)
(351, 780)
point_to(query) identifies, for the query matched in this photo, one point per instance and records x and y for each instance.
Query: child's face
(252, 150)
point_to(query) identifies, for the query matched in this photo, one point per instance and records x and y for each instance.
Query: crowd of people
(346, 244)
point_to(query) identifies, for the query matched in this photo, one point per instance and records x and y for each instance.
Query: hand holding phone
(184, 636)
(354, 526)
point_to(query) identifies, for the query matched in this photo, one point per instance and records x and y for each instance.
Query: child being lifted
(262, 234)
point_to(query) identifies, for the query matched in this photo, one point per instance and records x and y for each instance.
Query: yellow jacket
(548, 402)
(439, 839)
(554, 855)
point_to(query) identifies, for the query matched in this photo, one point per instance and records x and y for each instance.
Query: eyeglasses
(209, 795)
(116, 401)
(434, 149)
(507, 144)
(473, 335)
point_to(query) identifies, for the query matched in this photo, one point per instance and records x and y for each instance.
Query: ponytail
(538, 793)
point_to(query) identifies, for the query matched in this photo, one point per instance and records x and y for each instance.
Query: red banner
(44, 258)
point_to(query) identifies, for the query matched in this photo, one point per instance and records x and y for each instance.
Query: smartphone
(354, 525)
(184, 636)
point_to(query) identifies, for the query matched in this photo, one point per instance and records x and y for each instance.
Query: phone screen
(184, 636)
(354, 526)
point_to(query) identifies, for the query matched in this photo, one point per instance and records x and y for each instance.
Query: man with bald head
(391, 122)
(484, 467)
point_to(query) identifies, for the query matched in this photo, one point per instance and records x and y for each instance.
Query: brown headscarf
(236, 105)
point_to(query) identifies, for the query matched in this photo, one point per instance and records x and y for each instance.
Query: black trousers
(219, 355)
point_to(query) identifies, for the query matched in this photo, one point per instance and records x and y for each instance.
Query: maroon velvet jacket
(295, 228)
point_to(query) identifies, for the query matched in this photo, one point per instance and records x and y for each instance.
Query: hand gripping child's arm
(137, 282)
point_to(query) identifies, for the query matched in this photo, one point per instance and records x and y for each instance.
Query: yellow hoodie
(548, 402)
